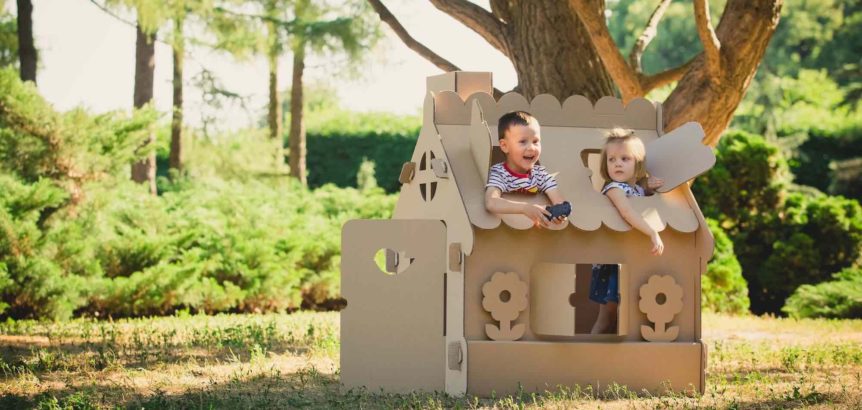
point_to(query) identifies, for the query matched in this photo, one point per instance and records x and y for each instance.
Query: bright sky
(87, 58)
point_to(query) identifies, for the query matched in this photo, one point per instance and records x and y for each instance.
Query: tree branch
(711, 45)
(646, 37)
(441, 63)
(387, 17)
(501, 10)
(492, 29)
(592, 16)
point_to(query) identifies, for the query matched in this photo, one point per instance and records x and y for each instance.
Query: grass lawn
(289, 361)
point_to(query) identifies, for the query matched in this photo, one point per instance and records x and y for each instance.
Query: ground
(290, 361)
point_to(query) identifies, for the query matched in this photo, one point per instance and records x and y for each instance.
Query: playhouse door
(392, 330)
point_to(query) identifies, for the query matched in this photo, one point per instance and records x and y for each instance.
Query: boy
(520, 139)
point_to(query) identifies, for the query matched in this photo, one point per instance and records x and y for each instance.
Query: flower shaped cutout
(660, 299)
(505, 296)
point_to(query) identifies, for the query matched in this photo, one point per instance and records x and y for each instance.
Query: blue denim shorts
(605, 284)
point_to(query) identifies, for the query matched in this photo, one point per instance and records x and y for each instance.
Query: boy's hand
(537, 214)
(657, 244)
(654, 183)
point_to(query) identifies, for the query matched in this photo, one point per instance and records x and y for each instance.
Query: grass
(291, 361)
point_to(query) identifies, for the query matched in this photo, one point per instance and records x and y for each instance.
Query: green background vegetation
(232, 233)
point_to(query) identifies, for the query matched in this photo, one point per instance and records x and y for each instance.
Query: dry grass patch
(291, 361)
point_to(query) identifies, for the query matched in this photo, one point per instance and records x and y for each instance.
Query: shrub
(339, 141)
(723, 288)
(840, 298)
(783, 236)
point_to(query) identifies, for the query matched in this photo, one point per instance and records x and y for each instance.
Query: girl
(622, 167)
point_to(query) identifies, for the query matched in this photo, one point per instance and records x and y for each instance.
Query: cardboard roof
(571, 132)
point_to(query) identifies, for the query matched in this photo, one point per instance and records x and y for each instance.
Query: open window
(560, 303)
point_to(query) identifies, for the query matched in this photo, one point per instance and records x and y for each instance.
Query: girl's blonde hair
(625, 136)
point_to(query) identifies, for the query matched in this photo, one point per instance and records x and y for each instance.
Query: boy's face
(621, 162)
(522, 145)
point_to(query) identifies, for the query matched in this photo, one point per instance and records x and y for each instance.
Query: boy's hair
(513, 118)
(625, 136)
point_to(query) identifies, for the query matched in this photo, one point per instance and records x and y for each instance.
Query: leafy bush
(723, 288)
(339, 141)
(232, 233)
(814, 162)
(840, 298)
(783, 236)
(748, 181)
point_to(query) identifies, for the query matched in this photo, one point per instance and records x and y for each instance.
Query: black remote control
(562, 209)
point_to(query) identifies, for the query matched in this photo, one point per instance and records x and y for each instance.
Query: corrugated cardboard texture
(504, 367)
(509, 250)
(392, 327)
(552, 286)
(679, 156)
(427, 196)
(469, 133)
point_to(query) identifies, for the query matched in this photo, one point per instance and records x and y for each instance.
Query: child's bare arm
(495, 203)
(555, 196)
(621, 202)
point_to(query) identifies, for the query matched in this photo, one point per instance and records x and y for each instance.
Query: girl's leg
(607, 319)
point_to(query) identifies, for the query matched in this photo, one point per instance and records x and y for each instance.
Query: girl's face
(621, 162)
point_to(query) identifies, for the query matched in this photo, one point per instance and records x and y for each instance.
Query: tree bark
(27, 54)
(175, 158)
(296, 135)
(274, 119)
(144, 171)
(743, 32)
(553, 52)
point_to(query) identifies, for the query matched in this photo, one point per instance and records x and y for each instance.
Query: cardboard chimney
(472, 302)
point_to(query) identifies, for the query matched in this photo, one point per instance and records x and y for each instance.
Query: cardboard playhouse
(472, 302)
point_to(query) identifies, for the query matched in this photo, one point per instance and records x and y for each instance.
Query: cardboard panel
(463, 82)
(505, 367)
(456, 376)
(428, 196)
(392, 327)
(679, 156)
(481, 141)
(551, 287)
(509, 250)
(576, 111)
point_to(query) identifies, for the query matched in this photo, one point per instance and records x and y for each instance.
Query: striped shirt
(506, 180)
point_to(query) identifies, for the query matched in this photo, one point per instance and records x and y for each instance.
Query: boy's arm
(495, 203)
(555, 196)
(636, 220)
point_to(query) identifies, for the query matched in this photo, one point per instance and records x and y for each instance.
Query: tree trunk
(175, 159)
(27, 55)
(296, 136)
(552, 52)
(744, 32)
(274, 119)
(144, 171)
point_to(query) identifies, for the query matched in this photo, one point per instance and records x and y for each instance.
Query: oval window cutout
(392, 262)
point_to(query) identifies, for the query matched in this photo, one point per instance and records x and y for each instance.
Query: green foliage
(840, 298)
(8, 38)
(746, 182)
(36, 142)
(782, 238)
(231, 234)
(806, 32)
(676, 41)
(723, 288)
(339, 140)
(815, 162)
